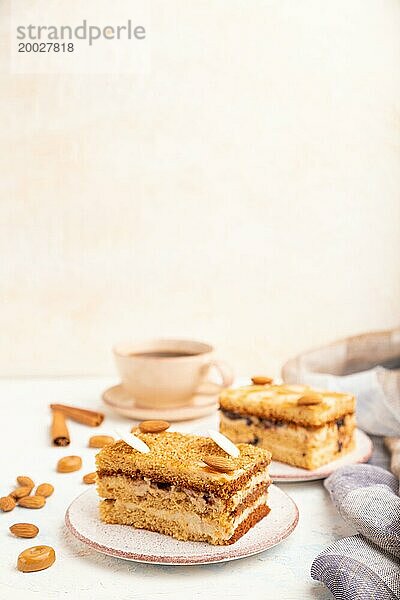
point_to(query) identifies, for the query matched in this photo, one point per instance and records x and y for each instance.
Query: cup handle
(210, 387)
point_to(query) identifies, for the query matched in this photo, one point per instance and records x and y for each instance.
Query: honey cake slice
(299, 425)
(171, 490)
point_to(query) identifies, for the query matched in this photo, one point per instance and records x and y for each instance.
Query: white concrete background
(244, 191)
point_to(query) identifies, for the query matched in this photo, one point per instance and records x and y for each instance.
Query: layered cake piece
(298, 425)
(186, 486)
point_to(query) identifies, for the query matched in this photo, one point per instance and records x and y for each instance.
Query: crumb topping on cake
(177, 458)
(286, 402)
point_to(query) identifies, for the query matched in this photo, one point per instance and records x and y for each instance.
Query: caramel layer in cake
(306, 436)
(172, 491)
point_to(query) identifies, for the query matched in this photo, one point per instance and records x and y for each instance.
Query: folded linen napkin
(367, 565)
(367, 366)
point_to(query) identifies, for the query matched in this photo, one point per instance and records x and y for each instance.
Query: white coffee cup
(164, 373)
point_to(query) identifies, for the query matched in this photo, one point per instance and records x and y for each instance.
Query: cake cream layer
(312, 459)
(185, 525)
(171, 489)
(146, 492)
(307, 447)
(280, 402)
(177, 459)
(254, 430)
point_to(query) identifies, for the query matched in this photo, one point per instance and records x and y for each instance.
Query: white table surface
(79, 572)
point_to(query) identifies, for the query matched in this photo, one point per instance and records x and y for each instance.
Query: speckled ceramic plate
(140, 545)
(288, 474)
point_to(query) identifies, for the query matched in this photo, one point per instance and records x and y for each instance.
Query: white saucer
(284, 473)
(124, 541)
(120, 400)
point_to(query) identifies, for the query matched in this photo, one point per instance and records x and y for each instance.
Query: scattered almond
(99, 441)
(309, 399)
(153, 426)
(68, 464)
(89, 478)
(25, 481)
(219, 463)
(36, 558)
(7, 503)
(32, 502)
(261, 380)
(24, 530)
(20, 492)
(44, 489)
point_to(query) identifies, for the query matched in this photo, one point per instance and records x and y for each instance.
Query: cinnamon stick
(81, 415)
(59, 430)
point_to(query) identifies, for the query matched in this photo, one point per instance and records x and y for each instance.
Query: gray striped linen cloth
(364, 566)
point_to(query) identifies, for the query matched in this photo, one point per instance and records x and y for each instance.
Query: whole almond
(32, 502)
(36, 558)
(68, 464)
(219, 463)
(7, 503)
(24, 530)
(99, 441)
(25, 481)
(309, 399)
(20, 492)
(153, 426)
(261, 380)
(89, 478)
(44, 489)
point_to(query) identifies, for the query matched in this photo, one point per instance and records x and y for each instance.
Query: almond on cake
(297, 424)
(186, 487)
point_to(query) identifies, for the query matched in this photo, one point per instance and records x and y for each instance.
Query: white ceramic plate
(123, 403)
(124, 541)
(289, 474)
